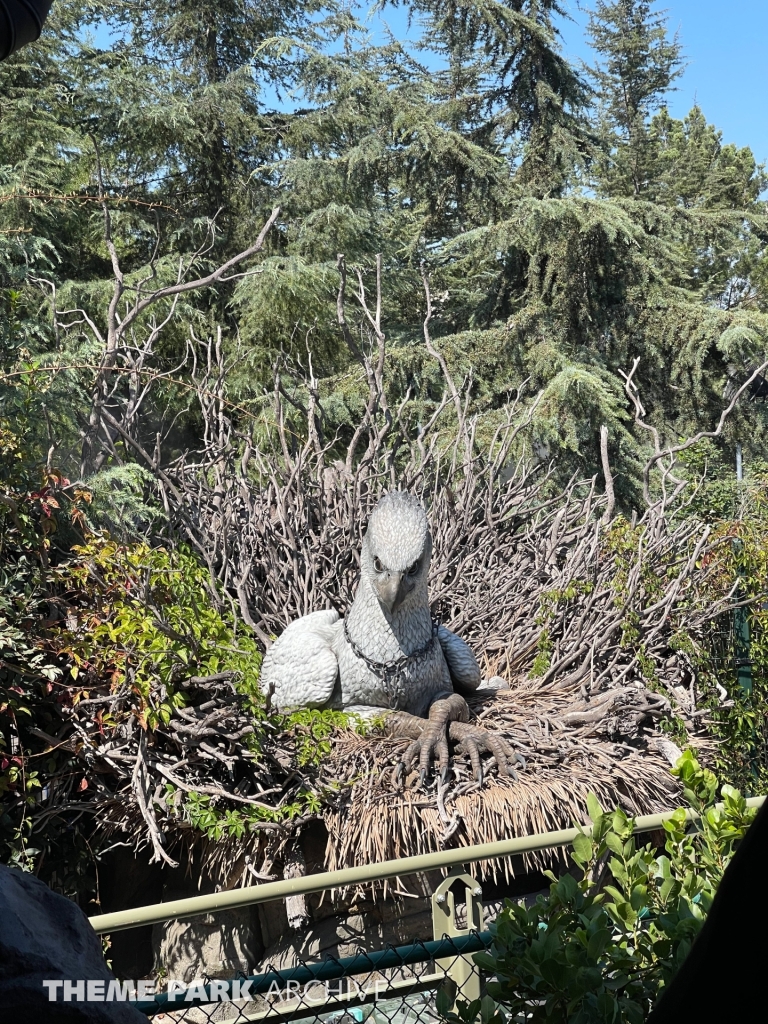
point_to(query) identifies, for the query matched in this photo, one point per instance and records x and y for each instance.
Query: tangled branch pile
(597, 623)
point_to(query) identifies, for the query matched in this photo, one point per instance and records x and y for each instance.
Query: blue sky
(725, 44)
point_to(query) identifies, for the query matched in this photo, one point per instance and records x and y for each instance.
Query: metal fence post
(460, 969)
(742, 651)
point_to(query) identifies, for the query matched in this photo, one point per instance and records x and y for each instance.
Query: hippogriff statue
(387, 656)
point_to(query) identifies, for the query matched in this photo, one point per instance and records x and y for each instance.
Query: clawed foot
(474, 740)
(431, 745)
(448, 718)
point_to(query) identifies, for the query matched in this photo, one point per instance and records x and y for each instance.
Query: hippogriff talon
(445, 774)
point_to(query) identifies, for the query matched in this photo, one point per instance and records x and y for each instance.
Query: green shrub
(602, 946)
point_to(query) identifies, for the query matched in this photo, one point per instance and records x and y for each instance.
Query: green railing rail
(331, 969)
(195, 905)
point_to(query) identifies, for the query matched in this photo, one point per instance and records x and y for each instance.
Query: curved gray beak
(392, 591)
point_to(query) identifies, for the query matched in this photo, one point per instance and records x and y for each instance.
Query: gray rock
(46, 936)
(211, 945)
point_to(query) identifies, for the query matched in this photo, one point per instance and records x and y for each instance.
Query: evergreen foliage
(567, 225)
(637, 65)
(566, 231)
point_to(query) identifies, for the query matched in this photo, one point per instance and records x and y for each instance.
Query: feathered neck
(382, 635)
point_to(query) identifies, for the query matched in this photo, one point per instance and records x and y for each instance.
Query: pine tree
(547, 265)
(221, 58)
(638, 64)
(538, 279)
(717, 185)
(505, 85)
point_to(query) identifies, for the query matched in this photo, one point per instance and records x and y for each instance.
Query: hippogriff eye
(414, 569)
(377, 565)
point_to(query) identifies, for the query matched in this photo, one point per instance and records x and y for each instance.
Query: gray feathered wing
(462, 664)
(300, 667)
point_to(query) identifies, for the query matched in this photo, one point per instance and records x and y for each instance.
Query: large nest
(597, 621)
(571, 747)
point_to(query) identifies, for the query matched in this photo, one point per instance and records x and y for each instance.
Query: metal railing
(409, 984)
(104, 924)
(392, 976)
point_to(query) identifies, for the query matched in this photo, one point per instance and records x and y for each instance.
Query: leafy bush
(600, 948)
(148, 615)
(40, 515)
(738, 700)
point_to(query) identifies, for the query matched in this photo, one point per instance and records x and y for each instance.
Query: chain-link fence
(404, 984)
(398, 985)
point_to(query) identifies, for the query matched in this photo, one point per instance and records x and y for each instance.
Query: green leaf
(582, 848)
(597, 943)
(594, 809)
(444, 1000)
(668, 886)
(614, 844)
(488, 1010)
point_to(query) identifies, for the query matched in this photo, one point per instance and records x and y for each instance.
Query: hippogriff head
(396, 550)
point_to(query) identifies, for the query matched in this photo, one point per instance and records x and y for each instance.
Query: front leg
(429, 736)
